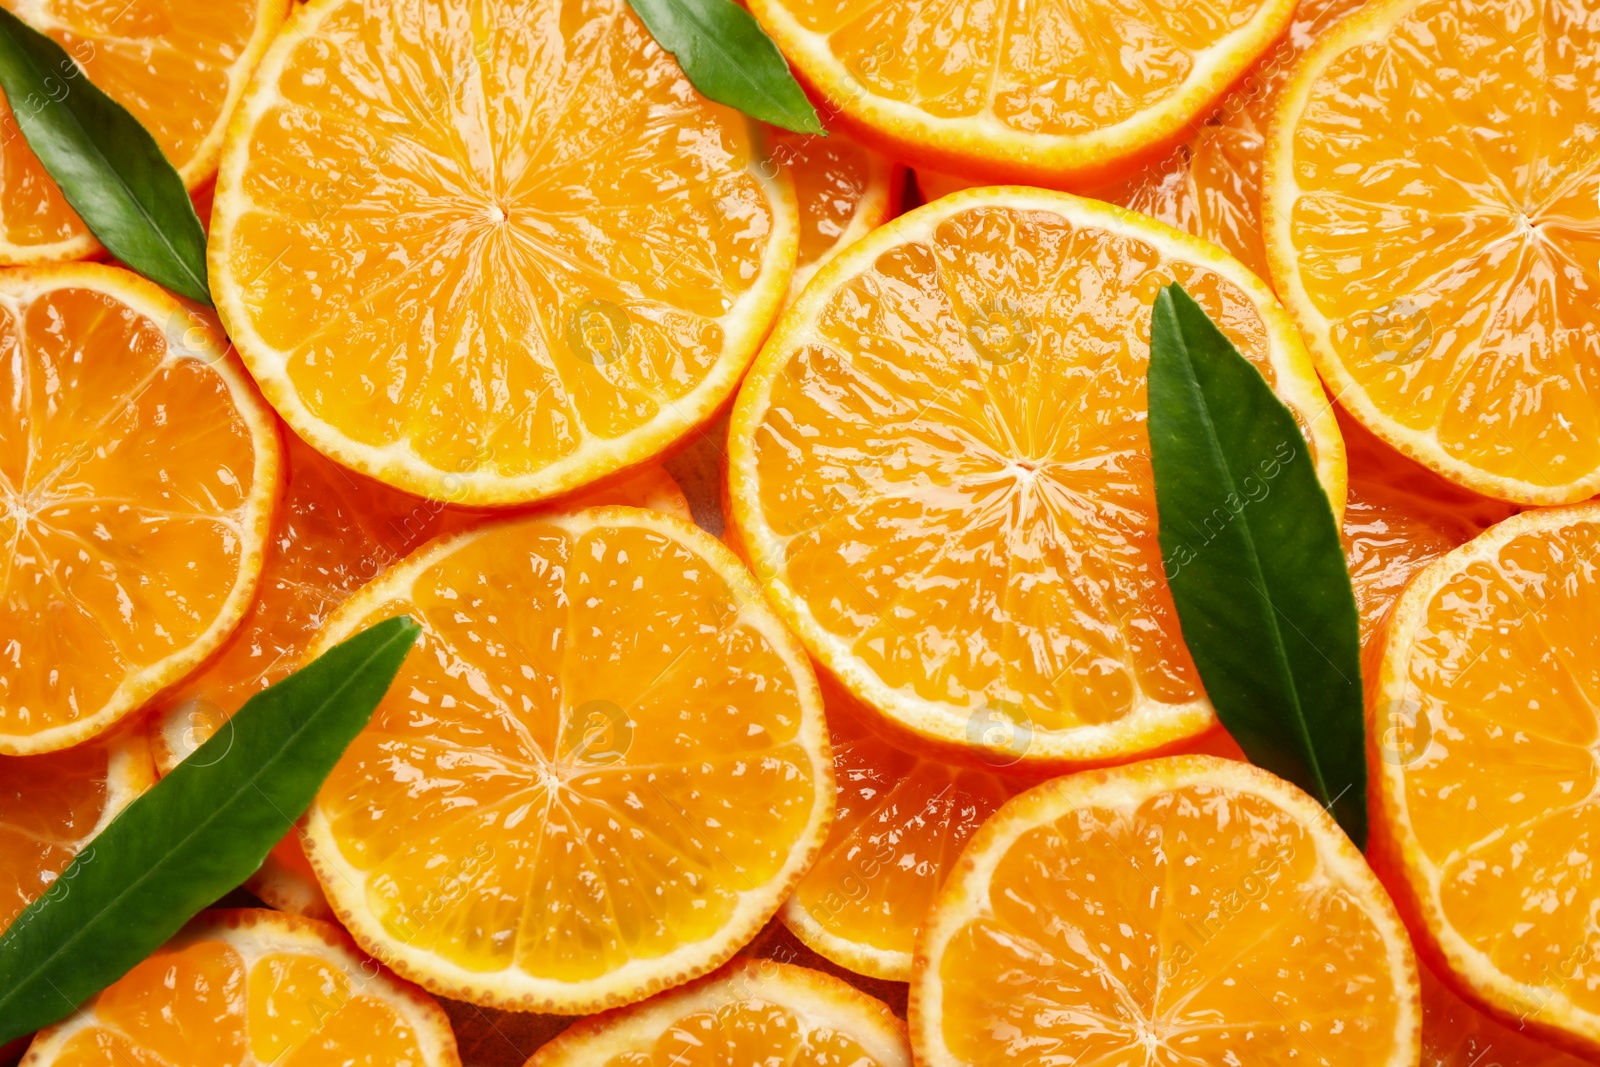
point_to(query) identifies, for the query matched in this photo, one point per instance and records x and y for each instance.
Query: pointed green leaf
(198, 833)
(108, 166)
(1254, 560)
(729, 58)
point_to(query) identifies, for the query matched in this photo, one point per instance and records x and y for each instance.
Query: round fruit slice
(52, 805)
(844, 191)
(1185, 910)
(1432, 214)
(750, 1012)
(138, 471)
(1454, 1034)
(179, 71)
(250, 987)
(598, 775)
(1025, 94)
(939, 467)
(501, 284)
(901, 823)
(1481, 821)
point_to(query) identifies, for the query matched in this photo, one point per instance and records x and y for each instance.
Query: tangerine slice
(504, 283)
(138, 472)
(1431, 210)
(844, 192)
(1455, 1034)
(750, 1012)
(252, 987)
(1187, 910)
(1490, 657)
(179, 69)
(600, 772)
(939, 468)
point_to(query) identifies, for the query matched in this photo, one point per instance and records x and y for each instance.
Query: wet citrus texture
(253, 988)
(503, 284)
(1481, 822)
(52, 805)
(1454, 1034)
(1188, 910)
(750, 1012)
(1432, 211)
(179, 68)
(600, 772)
(138, 472)
(1019, 93)
(844, 192)
(939, 467)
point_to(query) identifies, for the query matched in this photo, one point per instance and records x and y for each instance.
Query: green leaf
(198, 833)
(1254, 561)
(108, 166)
(729, 58)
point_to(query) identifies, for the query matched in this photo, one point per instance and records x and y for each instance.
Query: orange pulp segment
(1455, 1034)
(844, 191)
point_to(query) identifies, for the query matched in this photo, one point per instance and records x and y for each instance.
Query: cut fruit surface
(1020, 93)
(179, 68)
(844, 191)
(901, 823)
(138, 471)
(600, 772)
(52, 805)
(252, 988)
(336, 531)
(1431, 211)
(1455, 1034)
(1188, 910)
(939, 467)
(1481, 817)
(752, 1012)
(501, 285)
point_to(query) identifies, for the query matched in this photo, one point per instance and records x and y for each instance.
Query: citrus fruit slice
(139, 470)
(900, 825)
(249, 987)
(499, 285)
(1187, 910)
(52, 805)
(1479, 821)
(939, 468)
(1455, 1034)
(179, 71)
(844, 192)
(750, 1012)
(1431, 217)
(336, 531)
(598, 775)
(1022, 94)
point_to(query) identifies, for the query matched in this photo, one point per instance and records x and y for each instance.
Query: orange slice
(252, 987)
(939, 468)
(51, 806)
(598, 775)
(1454, 1034)
(844, 192)
(138, 470)
(902, 821)
(1031, 94)
(499, 286)
(1432, 210)
(1188, 910)
(750, 1012)
(1481, 820)
(177, 68)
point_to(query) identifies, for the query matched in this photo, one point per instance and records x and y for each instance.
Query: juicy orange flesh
(1173, 933)
(586, 760)
(927, 458)
(1454, 1034)
(900, 825)
(748, 1031)
(499, 271)
(203, 1005)
(167, 63)
(124, 479)
(49, 805)
(1505, 669)
(1389, 536)
(1450, 244)
(1035, 68)
(832, 175)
